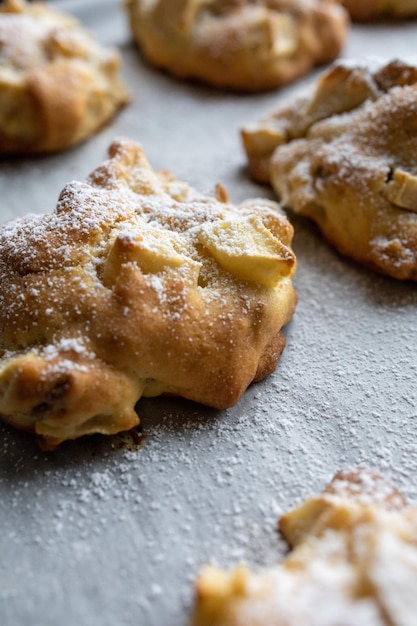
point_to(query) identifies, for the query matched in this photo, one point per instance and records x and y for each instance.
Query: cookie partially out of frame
(353, 562)
(248, 45)
(136, 286)
(366, 10)
(57, 84)
(346, 157)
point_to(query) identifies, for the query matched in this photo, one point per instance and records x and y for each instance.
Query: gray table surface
(101, 533)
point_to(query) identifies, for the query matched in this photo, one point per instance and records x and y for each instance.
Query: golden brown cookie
(137, 286)
(345, 156)
(247, 45)
(57, 85)
(365, 10)
(353, 562)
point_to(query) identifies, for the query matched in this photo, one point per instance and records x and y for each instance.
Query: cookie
(353, 561)
(241, 44)
(57, 85)
(364, 11)
(345, 156)
(135, 286)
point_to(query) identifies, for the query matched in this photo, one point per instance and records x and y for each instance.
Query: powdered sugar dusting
(124, 548)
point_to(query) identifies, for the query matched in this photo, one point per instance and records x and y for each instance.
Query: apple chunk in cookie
(135, 286)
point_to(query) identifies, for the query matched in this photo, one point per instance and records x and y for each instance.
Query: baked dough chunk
(365, 10)
(57, 85)
(242, 44)
(353, 562)
(136, 286)
(345, 156)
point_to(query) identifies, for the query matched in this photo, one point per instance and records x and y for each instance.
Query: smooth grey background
(96, 533)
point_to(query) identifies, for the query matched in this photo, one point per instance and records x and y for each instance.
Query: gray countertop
(106, 532)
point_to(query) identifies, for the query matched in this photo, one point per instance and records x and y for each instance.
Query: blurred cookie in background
(58, 85)
(352, 561)
(239, 44)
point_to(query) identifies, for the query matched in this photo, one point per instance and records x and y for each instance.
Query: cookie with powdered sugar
(248, 45)
(58, 86)
(135, 286)
(353, 561)
(345, 156)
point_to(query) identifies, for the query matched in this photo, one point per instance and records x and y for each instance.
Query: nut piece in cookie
(345, 156)
(248, 45)
(57, 85)
(365, 10)
(135, 286)
(353, 561)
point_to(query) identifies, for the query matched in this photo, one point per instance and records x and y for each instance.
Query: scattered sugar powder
(207, 486)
